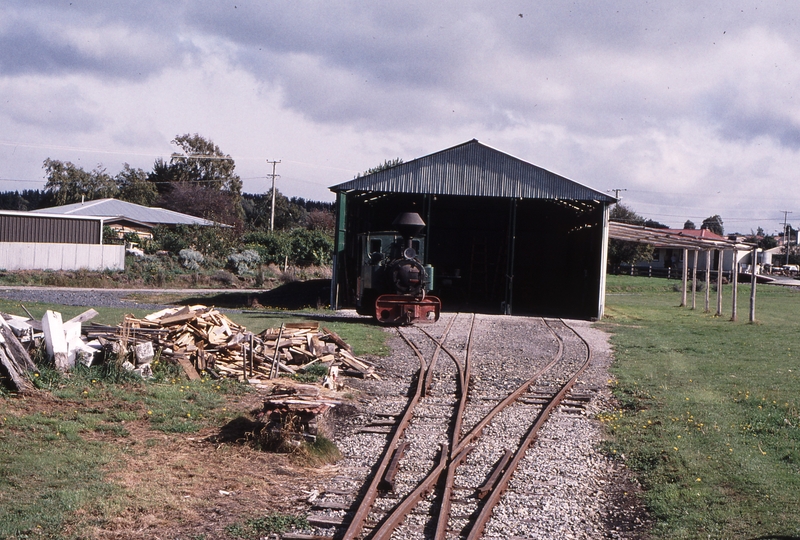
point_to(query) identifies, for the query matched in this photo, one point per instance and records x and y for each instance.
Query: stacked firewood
(206, 342)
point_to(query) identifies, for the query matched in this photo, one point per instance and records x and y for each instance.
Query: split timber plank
(336, 339)
(87, 315)
(16, 349)
(55, 340)
(327, 521)
(181, 316)
(189, 369)
(15, 372)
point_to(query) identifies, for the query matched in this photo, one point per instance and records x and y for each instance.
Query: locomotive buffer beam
(397, 309)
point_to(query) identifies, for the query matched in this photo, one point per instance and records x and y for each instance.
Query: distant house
(126, 217)
(673, 258)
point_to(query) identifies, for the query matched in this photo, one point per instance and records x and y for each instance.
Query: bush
(310, 247)
(244, 263)
(191, 259)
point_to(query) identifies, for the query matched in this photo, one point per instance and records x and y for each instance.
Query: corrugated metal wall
(33, 228)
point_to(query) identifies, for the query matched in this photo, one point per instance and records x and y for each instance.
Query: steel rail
(439, 347)
(447, 490)
(502, 484)
(402, 509)
(365, 506)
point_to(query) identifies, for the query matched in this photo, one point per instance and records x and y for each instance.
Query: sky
(688, 108)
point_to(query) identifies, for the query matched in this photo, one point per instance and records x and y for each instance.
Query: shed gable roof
(473, 169)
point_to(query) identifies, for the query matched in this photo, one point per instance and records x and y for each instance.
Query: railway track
(474, 409)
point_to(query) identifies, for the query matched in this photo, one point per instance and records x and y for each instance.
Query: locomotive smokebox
(409, 225)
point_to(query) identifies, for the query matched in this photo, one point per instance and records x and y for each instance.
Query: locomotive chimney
(409, 224)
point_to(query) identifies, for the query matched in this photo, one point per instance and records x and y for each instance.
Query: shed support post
(753, 285)
(695, 253)
(735, 281)
(512, 241)
(708, 281)
(684, 276)
(338, 248)
(721, 260)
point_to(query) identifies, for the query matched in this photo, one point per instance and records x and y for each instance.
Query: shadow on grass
(314, 294)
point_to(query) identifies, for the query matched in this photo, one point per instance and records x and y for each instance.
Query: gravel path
(113, 298)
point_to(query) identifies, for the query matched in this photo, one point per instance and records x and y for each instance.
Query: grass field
(708, 413)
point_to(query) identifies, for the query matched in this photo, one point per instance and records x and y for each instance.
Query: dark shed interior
(491, 252)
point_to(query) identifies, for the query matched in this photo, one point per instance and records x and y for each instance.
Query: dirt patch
(185, 485)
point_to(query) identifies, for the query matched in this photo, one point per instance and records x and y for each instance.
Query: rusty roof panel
(473, 169)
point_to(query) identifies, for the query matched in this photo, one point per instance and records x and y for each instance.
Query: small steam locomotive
(394, 283)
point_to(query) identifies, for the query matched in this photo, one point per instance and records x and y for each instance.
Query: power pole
(785, 230)
(272, 210)
(616, 192)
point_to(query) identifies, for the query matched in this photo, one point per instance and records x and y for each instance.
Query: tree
(622, 251)
(134, 186)
(68, 183)
(196, 200)
(713, 224)
(288, 214)
(622, 214)
(689, 224)
(387, 164)
(202, 162)
(203, 171)
(653, 224)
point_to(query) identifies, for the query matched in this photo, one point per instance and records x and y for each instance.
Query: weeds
(269, 524)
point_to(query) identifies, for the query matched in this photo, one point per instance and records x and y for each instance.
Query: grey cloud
(57, 42)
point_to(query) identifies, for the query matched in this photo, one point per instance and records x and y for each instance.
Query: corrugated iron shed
(135, 212)
(473, 169)
(47, 228)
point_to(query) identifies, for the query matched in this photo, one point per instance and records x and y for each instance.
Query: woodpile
(202, 340)
(206, 342)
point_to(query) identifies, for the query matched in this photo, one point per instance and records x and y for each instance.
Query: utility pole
(616, 192)
(272, 210)
(785, 230)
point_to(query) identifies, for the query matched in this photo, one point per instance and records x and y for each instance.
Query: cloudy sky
(691, 107)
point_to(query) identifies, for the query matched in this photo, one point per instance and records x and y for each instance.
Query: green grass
(708, 408)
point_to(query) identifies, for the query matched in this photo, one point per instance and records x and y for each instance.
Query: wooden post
(708, 281)
(719, 281)
(695, 253)
(753, 285)
(735, 279)
(684, 277)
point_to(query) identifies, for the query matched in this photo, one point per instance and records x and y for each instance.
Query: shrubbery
(215, 248)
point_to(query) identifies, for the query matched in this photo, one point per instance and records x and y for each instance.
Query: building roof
(117, 208)
(673, 238)
(473, 169)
